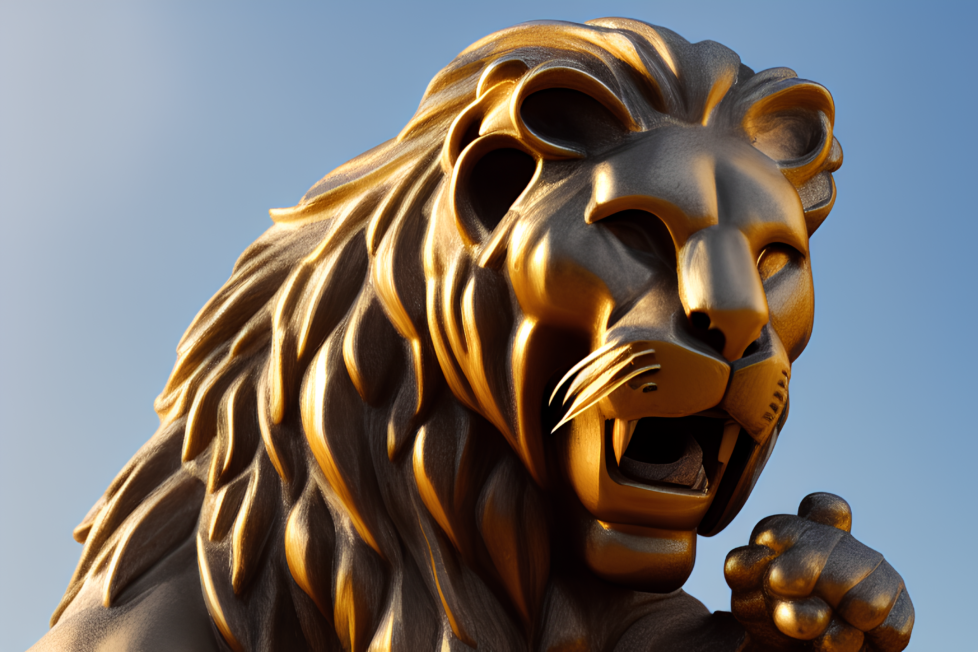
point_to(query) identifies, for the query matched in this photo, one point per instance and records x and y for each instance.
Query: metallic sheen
(486, 384)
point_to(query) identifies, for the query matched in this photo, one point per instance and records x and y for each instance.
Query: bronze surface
(485, 385)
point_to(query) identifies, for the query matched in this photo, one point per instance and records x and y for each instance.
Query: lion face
(661, 273)
(660, 289)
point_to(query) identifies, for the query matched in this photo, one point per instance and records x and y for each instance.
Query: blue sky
(141, 145)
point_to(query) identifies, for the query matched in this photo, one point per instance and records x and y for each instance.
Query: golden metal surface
(485, 385)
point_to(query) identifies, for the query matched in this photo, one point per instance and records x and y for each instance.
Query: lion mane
(351, 434)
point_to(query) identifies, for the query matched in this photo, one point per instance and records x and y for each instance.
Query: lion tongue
(686, 471)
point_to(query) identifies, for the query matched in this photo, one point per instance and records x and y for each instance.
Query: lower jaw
(590, 466)
(639, 535)
(644, 559)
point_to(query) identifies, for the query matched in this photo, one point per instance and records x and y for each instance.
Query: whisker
(597, 369)
(585, 402)
(580, 365)
(596, 386)
(650, 369)
(598, 391)
(613, 367)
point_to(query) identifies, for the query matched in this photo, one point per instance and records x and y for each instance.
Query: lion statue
(486, 383)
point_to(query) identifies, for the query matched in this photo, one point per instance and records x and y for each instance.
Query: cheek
(553, 282)
(791, 302)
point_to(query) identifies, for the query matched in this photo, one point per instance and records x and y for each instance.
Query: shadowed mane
(347, 484)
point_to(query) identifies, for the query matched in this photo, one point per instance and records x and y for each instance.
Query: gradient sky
(141, 145)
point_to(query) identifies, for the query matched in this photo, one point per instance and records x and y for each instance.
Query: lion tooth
(702, 483)
(731, 430)
(622, 436)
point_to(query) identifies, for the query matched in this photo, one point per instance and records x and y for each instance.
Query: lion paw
(805, 583)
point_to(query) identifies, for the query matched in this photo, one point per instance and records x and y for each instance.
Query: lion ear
(818, 193)
(489, 177)
(791, 121)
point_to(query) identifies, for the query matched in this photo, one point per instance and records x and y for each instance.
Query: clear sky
(141, 145)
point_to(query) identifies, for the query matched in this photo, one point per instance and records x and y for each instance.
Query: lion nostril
(731, 333)
(699, 323)
(700, 320)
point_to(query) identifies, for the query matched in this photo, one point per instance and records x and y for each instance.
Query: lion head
(544, 334)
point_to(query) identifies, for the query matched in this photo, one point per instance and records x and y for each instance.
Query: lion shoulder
(162, 611)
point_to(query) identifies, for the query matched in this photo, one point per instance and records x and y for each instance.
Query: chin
(670, 453)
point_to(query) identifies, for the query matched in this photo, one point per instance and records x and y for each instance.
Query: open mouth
(676, 453)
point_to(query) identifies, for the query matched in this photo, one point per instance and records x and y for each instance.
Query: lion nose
(721, 289)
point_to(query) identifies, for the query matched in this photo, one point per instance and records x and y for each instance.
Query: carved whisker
(585, 402)
(591, 357)
(598, 362)
(597, 384)
(602, 374)
(621, 360)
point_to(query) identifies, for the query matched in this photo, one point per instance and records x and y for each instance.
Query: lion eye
(643, 233)
(774, 259)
